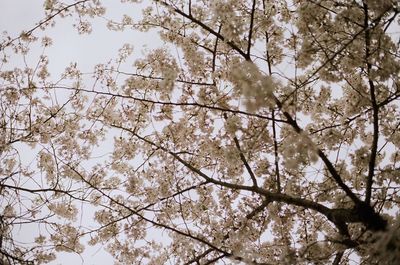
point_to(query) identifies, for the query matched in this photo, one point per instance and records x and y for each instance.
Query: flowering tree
(261, 132)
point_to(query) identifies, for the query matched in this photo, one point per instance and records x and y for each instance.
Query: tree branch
(245, 163)
(323, 157)
(375, 110)
(199, 257)
(41, 23)
(253, 9)
(278, 197)
(338, 258)
(170, 103)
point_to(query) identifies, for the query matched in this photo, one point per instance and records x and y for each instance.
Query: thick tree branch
(199, 257)
(375, 110)
(277, 197)
(214, 53)
(338, 258)
(253, 9)
(245, 163)
(276, 155)
(322, 155)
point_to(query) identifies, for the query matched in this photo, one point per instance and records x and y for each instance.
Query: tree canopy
(258, 132)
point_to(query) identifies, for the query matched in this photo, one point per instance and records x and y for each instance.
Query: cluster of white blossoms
(66, 238)
(194, 58)
(46, 163)
(234, 23)
(159, 63)
(65, 210)
(257, 88)
(232, 124)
